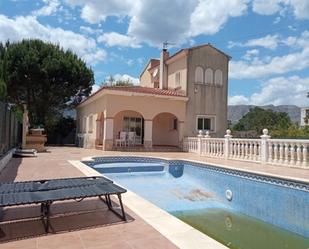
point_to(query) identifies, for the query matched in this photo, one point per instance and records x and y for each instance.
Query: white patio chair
(122, 140)
(131, 138)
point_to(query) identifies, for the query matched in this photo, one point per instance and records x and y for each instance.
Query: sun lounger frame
(98, 187)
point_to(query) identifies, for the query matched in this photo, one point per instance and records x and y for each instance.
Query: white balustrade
(191, 144)
(212, 147)
(290, 152)
(245, 149)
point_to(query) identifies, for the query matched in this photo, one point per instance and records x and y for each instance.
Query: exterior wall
(206, 99)
(90, 110)
(146, 78)
(180, 66)
(147, 106)
(162, 133)
(113, 107)
(303, 113)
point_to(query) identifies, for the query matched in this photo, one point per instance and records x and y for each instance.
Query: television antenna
(166, 44)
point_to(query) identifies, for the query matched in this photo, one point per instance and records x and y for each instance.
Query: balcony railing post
(227, 138)
(264, 147)
(199, 142)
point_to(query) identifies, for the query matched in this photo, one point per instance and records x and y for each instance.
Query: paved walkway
(96, 227)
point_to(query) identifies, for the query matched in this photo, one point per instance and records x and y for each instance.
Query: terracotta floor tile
(60, 241)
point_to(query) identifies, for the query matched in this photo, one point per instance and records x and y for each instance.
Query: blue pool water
(264, 212)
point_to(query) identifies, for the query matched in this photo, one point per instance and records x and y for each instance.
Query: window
(90, 122)
(209, 78)
(206, 123)
(133, 124)
(218, 77)
(177, 79)
(175, 122)
(199, 75)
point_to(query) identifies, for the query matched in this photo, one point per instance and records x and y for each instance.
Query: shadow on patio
(66, 216)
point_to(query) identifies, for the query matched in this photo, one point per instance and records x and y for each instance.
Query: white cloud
(29, 28)
(94, 11)
(262, 67)
(89, 30)
(95, 56)
(251, 54)
(49, 8)
(238, 100)
(300, 8)
(266, 7)
(268, 41)
(210, 15)
(156, 21)
(125, 77)
(277, 91)
(277, 65)
(116, 39)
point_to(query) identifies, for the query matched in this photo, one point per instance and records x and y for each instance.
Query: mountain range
(236, 112)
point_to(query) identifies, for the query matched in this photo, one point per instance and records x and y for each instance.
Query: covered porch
(135, 121)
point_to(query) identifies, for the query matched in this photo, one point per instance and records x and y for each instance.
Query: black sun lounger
(23, 193)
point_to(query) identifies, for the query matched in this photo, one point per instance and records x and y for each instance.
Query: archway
(165, 130)
(129, 121)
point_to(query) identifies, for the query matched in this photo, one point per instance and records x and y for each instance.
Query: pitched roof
(199, 46)
(139, 89)
(153, 62)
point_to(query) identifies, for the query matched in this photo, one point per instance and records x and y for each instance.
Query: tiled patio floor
(100, 228)
(97, 229)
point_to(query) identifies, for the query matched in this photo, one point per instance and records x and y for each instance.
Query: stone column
(148, 133)
(264, 146)
(108, 136)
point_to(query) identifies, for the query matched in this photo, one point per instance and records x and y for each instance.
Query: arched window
(209, 77)
(218, 77)
(199, 75)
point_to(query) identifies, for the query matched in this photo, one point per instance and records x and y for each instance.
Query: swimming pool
(239, 209)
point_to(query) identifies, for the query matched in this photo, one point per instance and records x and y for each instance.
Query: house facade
(178, 95)
(304, 113)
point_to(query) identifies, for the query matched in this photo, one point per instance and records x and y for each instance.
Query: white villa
(178, 95)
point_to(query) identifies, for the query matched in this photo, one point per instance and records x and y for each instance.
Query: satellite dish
(155, 73)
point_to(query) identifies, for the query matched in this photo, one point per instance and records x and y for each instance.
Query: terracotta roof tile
(147, 90)
(140, 89)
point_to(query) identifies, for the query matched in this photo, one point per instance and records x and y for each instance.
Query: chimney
(163, 68)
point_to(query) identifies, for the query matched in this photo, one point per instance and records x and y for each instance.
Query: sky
(268, 40)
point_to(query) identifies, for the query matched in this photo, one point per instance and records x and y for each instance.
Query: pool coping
(175, 230)
(255, 172)
(178, 232)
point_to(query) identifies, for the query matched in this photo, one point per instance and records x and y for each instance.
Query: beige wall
(180, 66)
(147, 106)
(207, 99)
(162, 132)
(146, 78)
